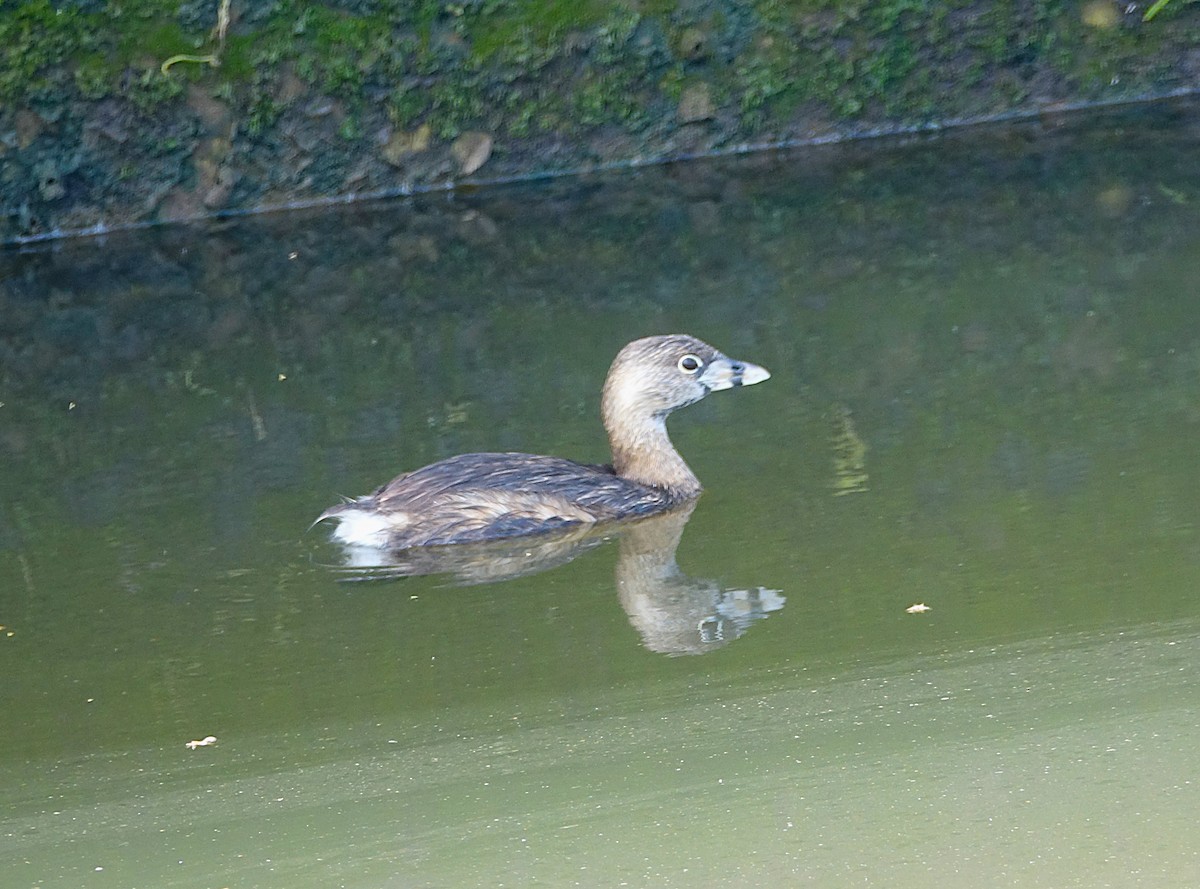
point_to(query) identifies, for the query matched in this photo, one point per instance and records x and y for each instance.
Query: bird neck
(642, 452)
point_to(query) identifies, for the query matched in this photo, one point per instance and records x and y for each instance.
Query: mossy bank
(113, 113)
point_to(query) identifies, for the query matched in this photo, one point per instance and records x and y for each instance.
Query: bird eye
(689, 364)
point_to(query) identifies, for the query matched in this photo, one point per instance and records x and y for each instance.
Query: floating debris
(849, 455)
(919, 608)
(203, 742)
(213, 59)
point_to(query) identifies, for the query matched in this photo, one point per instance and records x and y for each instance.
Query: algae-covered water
(985, 399)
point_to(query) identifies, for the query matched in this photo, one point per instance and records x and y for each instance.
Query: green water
(985, 398)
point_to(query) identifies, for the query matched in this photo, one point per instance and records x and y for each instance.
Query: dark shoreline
(1059, 113)
(323, 104)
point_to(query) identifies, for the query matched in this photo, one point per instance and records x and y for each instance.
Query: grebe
(477, 497)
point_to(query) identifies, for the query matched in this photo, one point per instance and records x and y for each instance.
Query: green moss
(672, 82)
(495, 25)
(613, 38)
(238, 61)
(453, 107)
(760, 80)
(336, 49)
(350, 129)
(93, 77)
(156, 40)
(263, 112)
(152, 87)
(851, 55)
(406, 106)
(34, 38)
(606, 99)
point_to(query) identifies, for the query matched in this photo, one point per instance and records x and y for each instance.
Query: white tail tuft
(359, 528)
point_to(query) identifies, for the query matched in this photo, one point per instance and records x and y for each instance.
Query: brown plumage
(476, 497)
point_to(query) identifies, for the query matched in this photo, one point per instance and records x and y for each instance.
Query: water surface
(986, 399)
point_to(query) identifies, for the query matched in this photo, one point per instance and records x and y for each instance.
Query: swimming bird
(477, 497)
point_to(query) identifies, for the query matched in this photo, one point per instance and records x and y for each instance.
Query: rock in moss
(471, 150)
(214, 115)
(180, 204)
(217, 194)
(695, 104)
(693, 44)
(49, 176)
(1100, 14)
(400, 146)
(28, 126)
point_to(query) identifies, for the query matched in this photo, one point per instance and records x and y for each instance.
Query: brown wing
(476, 497)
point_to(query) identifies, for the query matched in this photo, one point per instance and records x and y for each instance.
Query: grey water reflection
(985, 398)
(674, 612)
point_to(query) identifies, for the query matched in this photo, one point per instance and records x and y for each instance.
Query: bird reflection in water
(675, 613)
